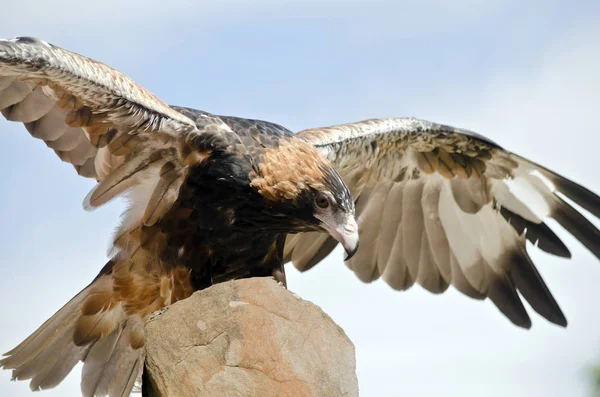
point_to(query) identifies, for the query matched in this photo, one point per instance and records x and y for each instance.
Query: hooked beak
(346, 232)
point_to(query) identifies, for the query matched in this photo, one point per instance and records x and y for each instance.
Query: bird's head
(304, 192)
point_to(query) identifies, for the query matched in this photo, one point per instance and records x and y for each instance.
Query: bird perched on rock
(215, 198)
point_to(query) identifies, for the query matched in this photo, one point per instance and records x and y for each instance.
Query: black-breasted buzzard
(214, 198)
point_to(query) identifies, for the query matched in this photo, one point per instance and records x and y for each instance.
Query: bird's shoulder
(254, 134)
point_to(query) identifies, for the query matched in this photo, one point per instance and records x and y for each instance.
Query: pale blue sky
(526, 74)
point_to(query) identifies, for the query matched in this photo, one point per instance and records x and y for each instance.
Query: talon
(158, 313)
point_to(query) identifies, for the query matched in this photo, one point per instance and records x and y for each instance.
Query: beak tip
(350, 253)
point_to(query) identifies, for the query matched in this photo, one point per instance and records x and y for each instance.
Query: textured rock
(248, 338)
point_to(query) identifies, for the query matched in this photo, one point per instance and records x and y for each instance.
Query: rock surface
(248, 337)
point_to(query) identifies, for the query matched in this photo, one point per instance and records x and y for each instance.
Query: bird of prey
(215, 198)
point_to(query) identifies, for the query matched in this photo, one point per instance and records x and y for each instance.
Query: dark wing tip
(574, 191)
(579, 194)
(504, 295)
(577, 225)
(530, 284)
(538, 234)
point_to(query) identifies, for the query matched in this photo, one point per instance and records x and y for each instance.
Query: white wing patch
(437, 205)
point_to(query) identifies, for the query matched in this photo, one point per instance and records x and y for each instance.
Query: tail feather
(52, 354)
(129, 370)
(112, 363)
(93, 375)
(59, 364)
(44, 335)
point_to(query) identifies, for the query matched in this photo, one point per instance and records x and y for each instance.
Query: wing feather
(6, 81)
(50, 126)
(412, 225)
(96, 362)
(15, 93)
(77, 106)
(369, 217)
(504, 295)
(459, 212)
(576, 224)
(537, 233)
(389, 225)
(437, 240)
(462, 233)
(396, 273)
(309, 249)
(530, 284)
(460, 282)
(103, 123)
(579, 194)
(429, 276)
(31, 108)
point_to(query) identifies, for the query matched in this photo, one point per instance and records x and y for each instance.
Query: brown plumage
(214, 198)
(277, 179)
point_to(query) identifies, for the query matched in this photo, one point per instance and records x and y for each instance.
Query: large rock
(248, 337)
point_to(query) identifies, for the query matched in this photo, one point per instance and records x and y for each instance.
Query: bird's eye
(322, 201)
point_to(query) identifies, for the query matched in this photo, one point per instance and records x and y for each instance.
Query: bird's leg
(277, 272)
(279, 275)
(157, 313)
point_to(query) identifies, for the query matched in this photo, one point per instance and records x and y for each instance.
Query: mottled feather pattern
(89, 83)
(461, 208)
(402, 129)
(384, 146)
(86, 106)
(265, 133)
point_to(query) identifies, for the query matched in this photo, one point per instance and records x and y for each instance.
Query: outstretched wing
(115, 131)
(441, 206)
(105, 124)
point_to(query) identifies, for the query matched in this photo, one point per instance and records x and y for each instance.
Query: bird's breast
(214, 229)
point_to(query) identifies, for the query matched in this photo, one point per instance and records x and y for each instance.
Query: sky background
(525, 74)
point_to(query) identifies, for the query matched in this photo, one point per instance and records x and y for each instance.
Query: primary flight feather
(215, 198)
